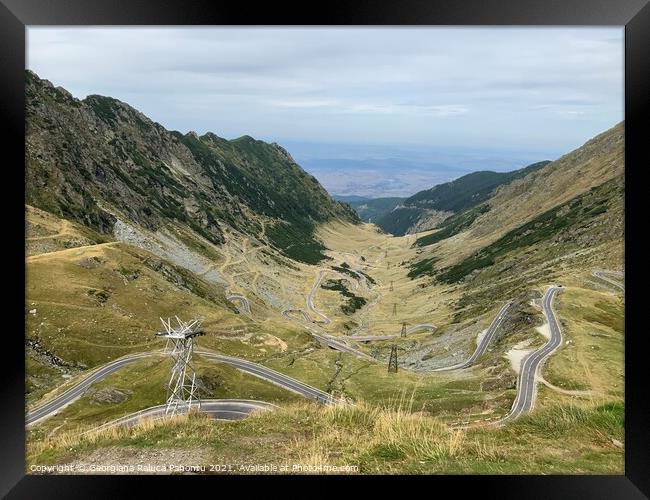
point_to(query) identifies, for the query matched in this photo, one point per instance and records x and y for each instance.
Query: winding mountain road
(272, 376)
(310, 298)
(340, 343)
(605, 276)
(336, 342)
(328, 340)
(287, 314)
(388, 336)
(219, 409)
(484, 342)
(527, 382)
(245, 304)
(59, 402)
(236, 409)
(341, 346)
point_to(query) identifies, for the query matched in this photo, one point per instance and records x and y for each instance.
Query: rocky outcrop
(429, 219)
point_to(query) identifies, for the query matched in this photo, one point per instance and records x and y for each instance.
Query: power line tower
(385, 253)
(181, 388)
(394, 309)
(391, 286)
(403, 333)
(392, 362)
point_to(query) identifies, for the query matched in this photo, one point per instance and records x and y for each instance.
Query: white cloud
(334, 106)
(303, 103)
(435, 86)
(393, 109)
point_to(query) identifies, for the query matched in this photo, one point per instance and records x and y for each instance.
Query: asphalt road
(605, 276)
(360, 277)
(64, 399)
(480, 349)
(483, 344)
(272, 376)
(339, 343)
(526, 384)
(328, 340)
(341, 346)
(59, 402)
(246, 305)
(219, 409)
(310, 298)
(56, 404)
(321, 274)
(286, 313)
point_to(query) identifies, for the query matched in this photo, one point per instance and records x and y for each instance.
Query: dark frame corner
(633, 14)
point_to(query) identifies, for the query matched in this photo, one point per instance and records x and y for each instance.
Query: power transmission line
(181, 388)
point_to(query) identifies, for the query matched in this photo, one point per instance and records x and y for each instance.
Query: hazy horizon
(374, 171)
(368, 111)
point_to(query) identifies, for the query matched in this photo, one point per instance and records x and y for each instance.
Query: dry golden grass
(560, 439)
(85, 436)
(48, 233)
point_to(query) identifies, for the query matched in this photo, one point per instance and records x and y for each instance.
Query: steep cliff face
(88, 160)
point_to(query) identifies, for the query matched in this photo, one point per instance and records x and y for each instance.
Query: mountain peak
(245, 138)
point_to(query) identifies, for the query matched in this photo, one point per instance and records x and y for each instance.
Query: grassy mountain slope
(95, 301)
(449, 198)
(572, 225)
(513, 205)
(89, 159)
(47, 233)
(566, 215)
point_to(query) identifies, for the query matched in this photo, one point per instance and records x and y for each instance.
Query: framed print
(375, 240)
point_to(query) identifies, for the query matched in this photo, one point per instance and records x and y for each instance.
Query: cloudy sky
(519, 91)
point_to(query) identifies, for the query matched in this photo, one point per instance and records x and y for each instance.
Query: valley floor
(91, 301)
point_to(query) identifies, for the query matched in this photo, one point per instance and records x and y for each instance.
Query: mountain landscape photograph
(324, 250)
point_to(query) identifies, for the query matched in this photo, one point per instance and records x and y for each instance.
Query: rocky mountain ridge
(90, 159)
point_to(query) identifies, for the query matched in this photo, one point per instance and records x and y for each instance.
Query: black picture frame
(15, 15)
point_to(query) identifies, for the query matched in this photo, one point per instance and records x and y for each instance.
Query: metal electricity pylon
(403, 333)
(385, 253)
(391, 286)
(392, 362)
(181, 388)
(394, 309)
